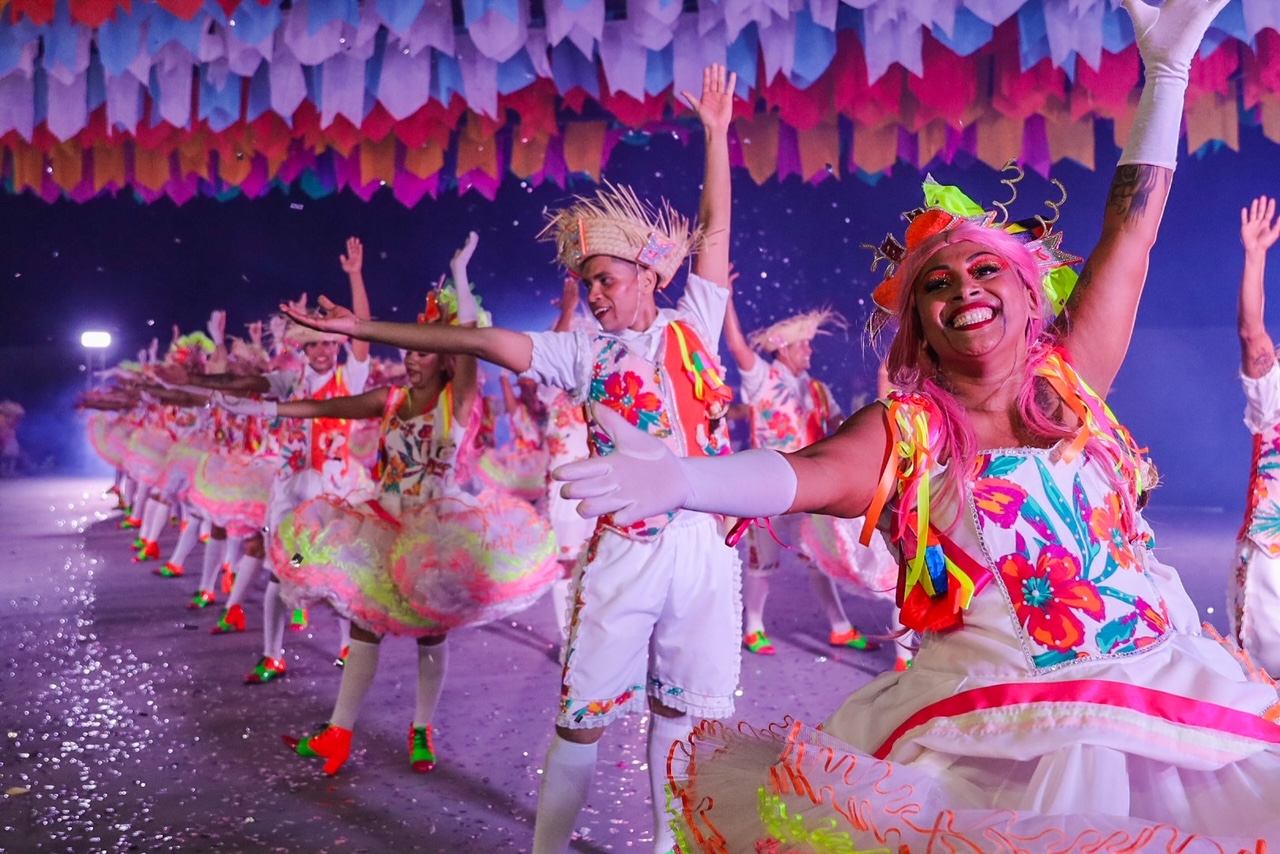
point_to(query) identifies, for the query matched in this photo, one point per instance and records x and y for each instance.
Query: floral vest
(784, 421)
(1040, 518)
(566, 430)
(311, 442)
(417, 456)
(682, 401)
(1262, 513)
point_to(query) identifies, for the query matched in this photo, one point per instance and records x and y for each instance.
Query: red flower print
(623, 395)
(1047, 596)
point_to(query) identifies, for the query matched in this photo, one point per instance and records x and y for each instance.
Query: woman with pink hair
(1064, 697)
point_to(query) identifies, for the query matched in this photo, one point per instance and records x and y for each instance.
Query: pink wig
(913, 366)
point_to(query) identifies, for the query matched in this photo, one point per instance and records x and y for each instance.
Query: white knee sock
(825, 591)
(246, 571)
(206, 529)
(344, 634)
(138, 505)
(357, 677)
(274, 618)
(755, 590)
(566, 781)
(433, 662)
(663, 732)
(153, 521)
(186, 542)
(232, 551)
(210, 564)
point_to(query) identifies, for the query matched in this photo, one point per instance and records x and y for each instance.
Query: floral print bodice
(418, 456)
(566, 430)
(303, 443)
(1262, 516)
(782, 420)
(1051, 536)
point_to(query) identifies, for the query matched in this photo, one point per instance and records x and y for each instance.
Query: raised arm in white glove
(642, 478)
(1167, 37)
(245, 406)
(468, 309)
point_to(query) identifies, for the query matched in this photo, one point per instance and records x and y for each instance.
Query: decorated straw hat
(946, 207)
(800, 327)
(618, 224)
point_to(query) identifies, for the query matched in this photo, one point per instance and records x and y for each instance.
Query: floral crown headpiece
(800, 327)
(442, 306)
(617, 223)
(946, 207)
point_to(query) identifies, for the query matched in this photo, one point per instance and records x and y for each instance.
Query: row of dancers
(1064, 695)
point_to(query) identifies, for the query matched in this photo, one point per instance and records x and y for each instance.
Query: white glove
(1167, 37)
(642, 478)
(468, 310)
(217, 327)
(246, 406)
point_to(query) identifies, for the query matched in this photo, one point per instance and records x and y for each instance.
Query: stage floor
(127, 726)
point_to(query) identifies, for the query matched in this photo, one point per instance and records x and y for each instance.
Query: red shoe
(175, 521)
(267, 670)
(150, 551)
(852, 639)
(202, 599)
(298, 622)
(228, 579)
(332, 744)
(759, 643)
(341, 660)
(232, 621)
(129, 523)
(902, 665)
(169, 570)
(204, 539)
(422, 752)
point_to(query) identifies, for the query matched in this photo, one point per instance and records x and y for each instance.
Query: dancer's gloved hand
(1167, 37)
(642, 478)
(468, 309)
(245, 406)
(217, 326)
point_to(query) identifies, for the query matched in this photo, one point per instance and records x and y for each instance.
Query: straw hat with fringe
(618, 224)
(800, 327)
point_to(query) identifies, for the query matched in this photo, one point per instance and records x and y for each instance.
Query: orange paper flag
(584, 147)
(759, 138)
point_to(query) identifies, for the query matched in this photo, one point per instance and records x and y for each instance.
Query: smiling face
(797, 356)
(620, 293)
(971, 303)
(322, 356)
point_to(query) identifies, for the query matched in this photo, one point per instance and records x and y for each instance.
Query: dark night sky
(117, 264)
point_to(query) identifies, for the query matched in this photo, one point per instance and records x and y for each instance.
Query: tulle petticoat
(232, 490)
(515, 472)
(792, 788)
(833, 545)
(147, 452)
(442, 565)
(109, 436)
(184, 460)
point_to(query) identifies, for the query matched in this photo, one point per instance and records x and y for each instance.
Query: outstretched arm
(176, 375)
(715, 109)
(353, 266)
(367, 405)
(1258, 232)
(733, 337)
(1097, 323)
(502, 347)
(465, 371)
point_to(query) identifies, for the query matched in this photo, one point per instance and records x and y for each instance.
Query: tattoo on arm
(1132, 188)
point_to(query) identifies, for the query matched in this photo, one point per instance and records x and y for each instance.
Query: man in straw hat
(655, 603)
(790, 410)
(314, 455)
